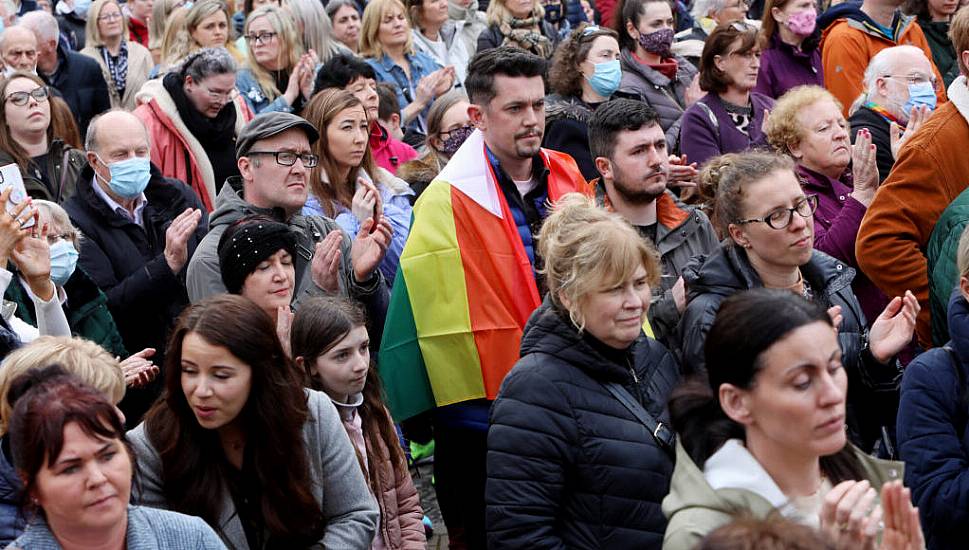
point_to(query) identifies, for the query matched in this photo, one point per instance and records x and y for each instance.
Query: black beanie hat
(246, 244)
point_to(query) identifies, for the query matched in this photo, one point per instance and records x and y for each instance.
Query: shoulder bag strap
(662, 433)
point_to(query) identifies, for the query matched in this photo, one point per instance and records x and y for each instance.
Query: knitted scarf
(527, 35)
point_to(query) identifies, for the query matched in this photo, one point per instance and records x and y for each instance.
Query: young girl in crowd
(331, 344)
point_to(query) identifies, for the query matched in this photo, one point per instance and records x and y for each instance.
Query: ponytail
(697, 417)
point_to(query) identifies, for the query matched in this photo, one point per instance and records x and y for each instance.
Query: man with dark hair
(388, 112)
(629, 148)
(450, 339)
(350, 73)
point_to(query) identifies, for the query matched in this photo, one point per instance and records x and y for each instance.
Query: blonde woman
(125, 64)
(386, 43)
(158, 24)
(205, 25)
(438, 36)
(518, 23)
(314, 27)
(279, 76)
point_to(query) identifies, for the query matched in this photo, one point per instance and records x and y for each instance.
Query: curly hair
(564, 76)
(783, 128)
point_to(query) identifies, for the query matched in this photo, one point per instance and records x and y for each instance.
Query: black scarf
(216, 135)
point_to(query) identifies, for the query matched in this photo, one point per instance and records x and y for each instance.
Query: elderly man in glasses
(274, 159)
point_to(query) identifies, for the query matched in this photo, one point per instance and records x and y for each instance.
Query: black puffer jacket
(872, 387)
(568, 464)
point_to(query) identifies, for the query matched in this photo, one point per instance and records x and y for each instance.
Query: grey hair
(311, 16)
(205, 63)
(5, 33)
(91, 137)
(881, 64)
(335, 5)
(702, 8)
(60, 218)
(43, 25)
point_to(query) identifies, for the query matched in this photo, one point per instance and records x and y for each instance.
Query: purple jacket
(783, 67)
(708, 131)
(836, 224)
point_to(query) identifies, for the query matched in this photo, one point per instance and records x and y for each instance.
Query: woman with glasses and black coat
(48, 166)
(193, 116)
(768, 224)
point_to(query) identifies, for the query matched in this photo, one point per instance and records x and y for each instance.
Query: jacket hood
(840, 11)
(230, 206)
(728, 271)
(857, 19)
(549, 331)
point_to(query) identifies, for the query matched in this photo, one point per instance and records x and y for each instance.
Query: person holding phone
(346, 185)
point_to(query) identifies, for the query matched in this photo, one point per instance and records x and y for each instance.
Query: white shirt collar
(140, 203)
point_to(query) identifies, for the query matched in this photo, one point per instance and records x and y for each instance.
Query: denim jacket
(421, 65)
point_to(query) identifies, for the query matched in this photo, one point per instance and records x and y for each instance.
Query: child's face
(343, 369)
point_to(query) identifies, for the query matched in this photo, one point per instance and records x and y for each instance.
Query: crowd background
(621, 273)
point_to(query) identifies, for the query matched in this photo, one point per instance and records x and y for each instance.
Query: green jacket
(943, 52)
(695, 509)
(64, 166)
(86, 310)
(942, 252)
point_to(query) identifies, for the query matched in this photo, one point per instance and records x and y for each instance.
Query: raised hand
(917, 117)
(177, 236)
(32, 258)
(903, 530)
(325, 267)
(365, 200)
(850, 516)
(682, 173)
(284, 322)
(369, 247)
(893, 329)
(11, 225)
(864, 167)
(138, 369)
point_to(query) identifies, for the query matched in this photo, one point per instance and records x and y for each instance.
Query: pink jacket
(401, 526)
(389, 153)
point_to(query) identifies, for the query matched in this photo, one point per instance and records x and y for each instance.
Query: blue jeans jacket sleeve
(249, 88)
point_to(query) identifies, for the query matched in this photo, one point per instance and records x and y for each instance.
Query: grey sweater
(148, 529)
(338, 484)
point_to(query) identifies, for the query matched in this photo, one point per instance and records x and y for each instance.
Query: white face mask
(7, 71)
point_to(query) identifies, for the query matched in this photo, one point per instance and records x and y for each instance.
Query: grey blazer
(148, 529)
(338, 484)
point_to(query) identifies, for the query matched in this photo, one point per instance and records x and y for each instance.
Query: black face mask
(553, 13)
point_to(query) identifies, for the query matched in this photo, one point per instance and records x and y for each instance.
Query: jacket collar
(958, 93)
(649, 74)
(161, 196)
(820, 183)
(670, 212)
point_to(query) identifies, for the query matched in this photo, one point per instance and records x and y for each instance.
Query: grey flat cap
(268, 125)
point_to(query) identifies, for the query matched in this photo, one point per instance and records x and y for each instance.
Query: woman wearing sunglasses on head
(768, 224)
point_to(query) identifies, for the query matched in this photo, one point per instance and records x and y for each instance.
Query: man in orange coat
(930, 172)
(857, 35)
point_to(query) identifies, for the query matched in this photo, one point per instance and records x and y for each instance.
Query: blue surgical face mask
(129, 177)
(606, 79)
(81, 8)
(918, 95)
(63, 261)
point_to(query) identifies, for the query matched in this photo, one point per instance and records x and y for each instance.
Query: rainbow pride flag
(464, 289)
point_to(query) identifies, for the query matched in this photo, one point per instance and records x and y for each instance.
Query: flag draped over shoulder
(464, 289)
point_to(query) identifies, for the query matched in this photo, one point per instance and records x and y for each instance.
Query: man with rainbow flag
(466, 283)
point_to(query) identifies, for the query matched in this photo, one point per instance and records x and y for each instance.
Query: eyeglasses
(917, 79)
(220, 96)
(261, 38)
(110, 16)
(288, 158)
(447, 134)
(782, 217)
(21, 98)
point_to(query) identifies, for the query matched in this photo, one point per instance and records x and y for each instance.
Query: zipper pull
(632, 371)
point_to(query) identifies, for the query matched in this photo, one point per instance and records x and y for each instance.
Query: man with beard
(629, 148)
(889, 109)
(466, 284)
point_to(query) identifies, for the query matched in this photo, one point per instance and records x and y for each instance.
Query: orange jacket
(849, 44)
(929, 174)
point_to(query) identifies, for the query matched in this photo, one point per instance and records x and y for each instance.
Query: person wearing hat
(256, 256)
(140, 228)
(274, 158)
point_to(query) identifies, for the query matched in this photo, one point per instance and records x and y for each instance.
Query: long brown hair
(272, 420)
(62, 123)
(320, 324)
(320, 111)
(7, 143)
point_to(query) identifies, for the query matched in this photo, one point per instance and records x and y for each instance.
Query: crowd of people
(630, 274)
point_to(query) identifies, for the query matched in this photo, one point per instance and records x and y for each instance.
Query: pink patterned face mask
(802, 23)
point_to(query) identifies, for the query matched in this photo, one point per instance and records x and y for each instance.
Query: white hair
(882, 63)
(703, 8)
(43, 25)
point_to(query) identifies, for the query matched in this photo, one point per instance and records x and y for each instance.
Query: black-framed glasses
(21, 98)
(782, 217)
(288, 158)
(261, 38)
